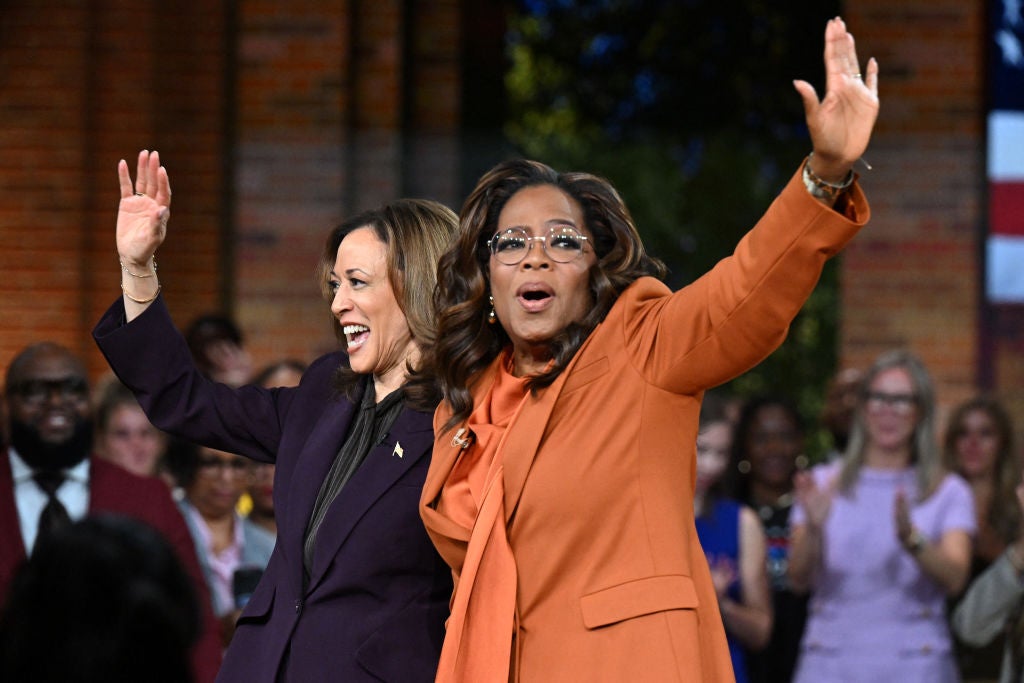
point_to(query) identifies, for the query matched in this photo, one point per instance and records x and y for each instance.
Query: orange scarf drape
(478, 641)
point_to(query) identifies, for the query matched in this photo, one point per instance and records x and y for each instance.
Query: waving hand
(840, 124)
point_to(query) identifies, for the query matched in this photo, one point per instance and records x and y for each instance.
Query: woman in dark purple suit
(354, 589)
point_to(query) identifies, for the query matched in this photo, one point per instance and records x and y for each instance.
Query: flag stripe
(1006, 208)
(1006, 145)
(1005, 275)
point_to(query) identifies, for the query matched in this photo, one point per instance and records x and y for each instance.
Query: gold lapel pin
(399, 451)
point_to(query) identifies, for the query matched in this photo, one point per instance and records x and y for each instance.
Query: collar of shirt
(221, 566)
(21, 472)
(30, 500)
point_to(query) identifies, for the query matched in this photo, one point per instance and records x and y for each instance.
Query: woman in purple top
(881, 537)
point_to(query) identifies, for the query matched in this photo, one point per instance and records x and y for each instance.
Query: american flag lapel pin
(399, 451)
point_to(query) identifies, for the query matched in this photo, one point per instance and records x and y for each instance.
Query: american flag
(1005, 249)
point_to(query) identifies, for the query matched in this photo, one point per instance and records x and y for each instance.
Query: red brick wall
(84, 84)
(912, 278)
(337, 112)
(274, 121)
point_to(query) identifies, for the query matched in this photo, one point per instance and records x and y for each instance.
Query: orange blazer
(599, 467)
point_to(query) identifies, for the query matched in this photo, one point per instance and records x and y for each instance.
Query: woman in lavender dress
(881, 537)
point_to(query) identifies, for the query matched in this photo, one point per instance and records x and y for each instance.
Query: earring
(491, 317)
(743, 466)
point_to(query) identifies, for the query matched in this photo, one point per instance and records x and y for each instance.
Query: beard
(42, 455)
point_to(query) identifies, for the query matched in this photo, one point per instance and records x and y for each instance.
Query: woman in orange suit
(561, 486)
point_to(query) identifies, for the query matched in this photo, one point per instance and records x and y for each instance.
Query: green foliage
(688, 109)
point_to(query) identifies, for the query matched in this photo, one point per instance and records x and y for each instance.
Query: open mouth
(535, 297)
(355, 335)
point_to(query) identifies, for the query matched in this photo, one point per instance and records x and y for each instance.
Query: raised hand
(816, 502)
(723, 574)
(840, 124)
(901, 513)
(143, 212)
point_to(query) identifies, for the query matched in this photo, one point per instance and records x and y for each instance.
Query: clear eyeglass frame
(561, 243)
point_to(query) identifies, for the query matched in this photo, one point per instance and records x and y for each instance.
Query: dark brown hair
(1003, 514)
(415, 233)
(466, 343)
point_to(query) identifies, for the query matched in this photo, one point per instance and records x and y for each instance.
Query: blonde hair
(924, 449)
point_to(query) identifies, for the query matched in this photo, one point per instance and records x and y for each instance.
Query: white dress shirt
(31, 499)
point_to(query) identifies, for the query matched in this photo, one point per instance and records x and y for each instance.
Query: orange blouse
(481, 625)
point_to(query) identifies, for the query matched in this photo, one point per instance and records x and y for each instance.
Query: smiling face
(537, 298)
(130, 440)
(890, 411)
(50, 395)
(977, 445)
(376, 331)
(713, 443)
(773, 445)
(219, 482)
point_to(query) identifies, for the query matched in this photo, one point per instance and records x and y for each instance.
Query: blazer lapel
(308, 475)
(523, 442)
(408, 440)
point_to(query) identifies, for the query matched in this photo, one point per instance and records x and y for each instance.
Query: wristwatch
(915, 542)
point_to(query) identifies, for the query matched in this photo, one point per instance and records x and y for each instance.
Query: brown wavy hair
(466, 343)
(415, 233)
(1003, 514)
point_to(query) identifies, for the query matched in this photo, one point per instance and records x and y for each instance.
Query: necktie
(54, 515)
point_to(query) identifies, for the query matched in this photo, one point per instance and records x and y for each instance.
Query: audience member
(882, 537)
(979, 447)
(994, 605)
(260, 521)
(283, 373)
(48, 479)
(124, 435)
(213, 481)
(733, 541)
(218, 349)
(841, 398)
(766, 454)
(103, 600)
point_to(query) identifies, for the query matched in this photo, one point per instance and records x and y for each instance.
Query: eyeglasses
(901, 404)
(35, 391)
(562, 244)
(261, 470)
(213, 467)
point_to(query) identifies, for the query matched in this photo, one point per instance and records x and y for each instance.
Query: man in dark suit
(49, 478)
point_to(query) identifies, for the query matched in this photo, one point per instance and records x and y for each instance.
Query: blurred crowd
(174, 534)
(901, 542)
(904, 538)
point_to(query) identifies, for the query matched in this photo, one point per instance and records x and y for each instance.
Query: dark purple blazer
(115, 490)
(376, 601)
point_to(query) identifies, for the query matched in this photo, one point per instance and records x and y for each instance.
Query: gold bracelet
(822, 189)
(141, 277)
(142, 301)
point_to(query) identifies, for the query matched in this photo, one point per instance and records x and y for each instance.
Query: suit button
(298, 606)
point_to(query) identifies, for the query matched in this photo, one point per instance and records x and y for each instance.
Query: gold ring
(857, 76)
